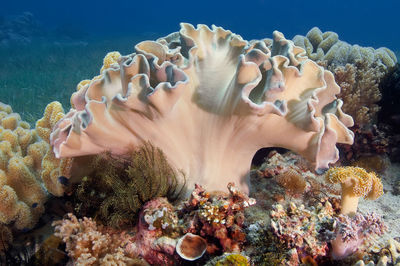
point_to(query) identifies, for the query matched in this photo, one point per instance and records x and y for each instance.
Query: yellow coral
(50, 164)
(356, 183)
(52, 114)
(22, 196)
(109, 59)
(82, 84)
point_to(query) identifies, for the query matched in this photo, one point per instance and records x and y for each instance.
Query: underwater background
(202, 195)
(61, 43)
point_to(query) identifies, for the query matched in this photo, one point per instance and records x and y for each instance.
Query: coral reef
(309, 231)
(22, 195)
(157, 229)
(368, 141)
(360, 72)
(356, 183)
(219, 218)
(359, 83)
(165, 93)
(326, 46)
(90, 244)
(215, 221)
(117, 188)
(355, 233)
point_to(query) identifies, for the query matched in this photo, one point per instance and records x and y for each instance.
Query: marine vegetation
(118, 187)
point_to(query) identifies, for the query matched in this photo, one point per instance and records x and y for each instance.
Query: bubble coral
(356, 183)
(22, 195)
(197, 94)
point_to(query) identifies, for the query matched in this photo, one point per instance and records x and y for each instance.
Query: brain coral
(22, 195)
(209, 100)
(327, 46)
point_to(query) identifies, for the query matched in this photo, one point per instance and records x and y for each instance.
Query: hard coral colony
(186, 113)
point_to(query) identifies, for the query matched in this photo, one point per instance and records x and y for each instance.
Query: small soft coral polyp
(209, 100)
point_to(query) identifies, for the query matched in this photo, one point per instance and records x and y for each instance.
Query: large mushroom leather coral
(209, 100)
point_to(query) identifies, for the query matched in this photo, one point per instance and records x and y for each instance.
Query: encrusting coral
(356, 183)
(209, 100)
(22, 195)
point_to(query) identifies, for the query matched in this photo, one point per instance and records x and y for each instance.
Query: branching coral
(118, 188)
(356, 183)
(22, 195)
(209, 100)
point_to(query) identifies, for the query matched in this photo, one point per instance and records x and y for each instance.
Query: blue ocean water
(368, 22)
